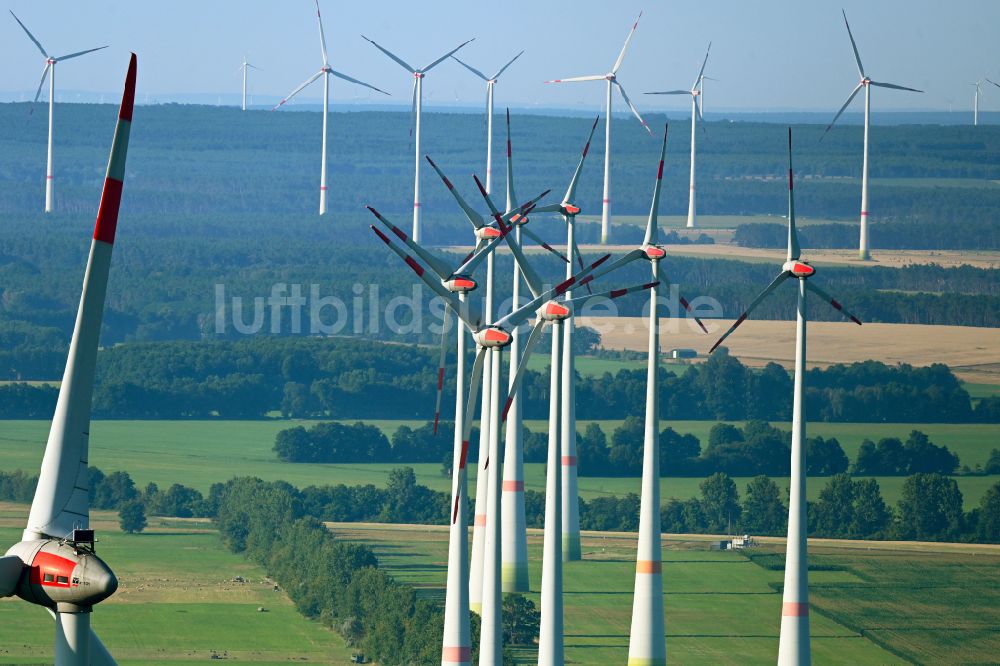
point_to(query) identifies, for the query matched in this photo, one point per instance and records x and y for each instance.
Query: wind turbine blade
(511, 195)
(571, 190)
(504, 68)
(322, 35)
(463, 310)
(45, 74)
(624, 260)
(832, 301)
(701, 71)
(652, 232)
(478, 255)
(529, 346)
(11, 567)
(635, 111)
(446, 56)
(254, 67)
(687, 306)
(575, 79)
(413, 107)
(440, 268)
(61, 502)
(353, 80)
(850, 98)
(475, 218)
(535, 237)
(994, 83)
(697, 106)
(742, 318)
(669, 92)
(881, 84)
(793, 237)
(78, 53)
(621, 56)
(28, 33)
(857, 56)
(470, 412)
(520, 315)
(471, 69)
(402, 63)
(614, 293)
(440, 374)
(299, 89)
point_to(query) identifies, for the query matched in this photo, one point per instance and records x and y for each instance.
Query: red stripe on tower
(795, 609)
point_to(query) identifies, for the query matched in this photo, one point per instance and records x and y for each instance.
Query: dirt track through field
(972, 353)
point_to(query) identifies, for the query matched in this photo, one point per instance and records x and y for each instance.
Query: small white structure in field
(683, 353)
(741, 542)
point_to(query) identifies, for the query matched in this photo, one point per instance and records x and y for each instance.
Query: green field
(885, 605)
(177, 602)
(199, 453)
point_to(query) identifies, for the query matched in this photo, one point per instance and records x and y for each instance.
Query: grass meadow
(199, 453)
(887, 604)
(176, 603)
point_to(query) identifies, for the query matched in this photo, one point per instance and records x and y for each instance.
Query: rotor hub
(63, 574)
(654, 252)
(487, 233)
(460, 284)
(553, 311)
(569, 209)
(799, 269)
(492, 337)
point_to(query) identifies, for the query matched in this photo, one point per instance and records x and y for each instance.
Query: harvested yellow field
(972, 353)
(884, 258)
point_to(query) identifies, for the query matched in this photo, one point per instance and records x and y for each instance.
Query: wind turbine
(55, 564)
(493, 338)
(793, 647)
(697, 88)
(243, 69)
(864, 251)
(50, 71)
(612, 79)
(490, 83)
(418, 102)
(646, 639)
(326, 72)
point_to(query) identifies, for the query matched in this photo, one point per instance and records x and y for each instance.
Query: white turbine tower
(793, 647)
(418, 102)
(243, 70)
(490, 84)
(326, 72)
(864, 250)
(975, 100)
(50, 71)
(612, 80)
(697, 88)
(55, 565)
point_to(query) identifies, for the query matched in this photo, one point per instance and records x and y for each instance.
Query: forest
(351, 378)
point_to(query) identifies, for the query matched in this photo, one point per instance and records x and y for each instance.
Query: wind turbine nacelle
(553, 311)
(62, 575)
(492, 338)
(569, 209)
(518, 220)
(798, 269)
(487, 233)
(459, 284)
(654, 252)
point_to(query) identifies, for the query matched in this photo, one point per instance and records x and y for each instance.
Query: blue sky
(778, 54)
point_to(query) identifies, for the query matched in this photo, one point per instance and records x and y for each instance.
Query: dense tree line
(979, 234)
(352, 378)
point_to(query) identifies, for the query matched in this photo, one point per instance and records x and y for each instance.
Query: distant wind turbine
(793, 645)
(326, 72)
(612, 79)
(697, 88)
(864, 251)
(243, 68)
(50, 71)
(418, 102)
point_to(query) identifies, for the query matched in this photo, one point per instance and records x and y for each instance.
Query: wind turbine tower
(243, 69)
(864, 250)
(793, 646)
(50, 71)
